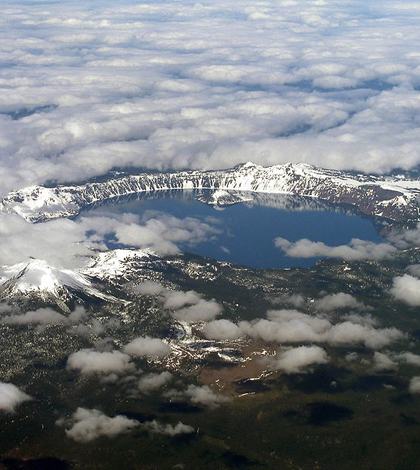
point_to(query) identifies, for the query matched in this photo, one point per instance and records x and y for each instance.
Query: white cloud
(163, 232)
(88, 361)
(221, 330)
(409, 358)
(88, 425)
(350, 357)
(57, 242)
(93, 328)
(206, 98)
(199, 395)
(148, 288)
(382, 362)
(292, 326)
(407, 289)
(204, 395)
(78, 314)
(190, 307)
(152, 382)
(414, 386)
(203, 310)
(356, 250)
(11, 397)
(146, 346)
(348, 333)
(296, 360)
(331, 302)
(167, 429)
(414, 270)
(48, 316)
(297, 300)
(287, 326)
(157, 231)
(177, 299)
(67, 243)
(405, 239)
(365, 320)
(43, 316)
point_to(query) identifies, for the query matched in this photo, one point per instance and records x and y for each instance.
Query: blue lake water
(247, 231)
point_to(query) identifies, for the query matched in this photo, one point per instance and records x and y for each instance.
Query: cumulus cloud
(11, 397)
(297, 360)
(88, 425)
(177, 299)
(154, 230)
(382, 362)
(350, 333)
(297, 300)
(48, 316)
(88, 361)
(414, 270)
(167, 429)
(43, 316)
(356, 250)
(78, 314)
(148, 288)
(414, 385)
(203, 310)
(199, 395)
(331, 302)
(407, 289)
(151, 382)
(163, 232)
(146, 346)
(190, 307)
(94, 327)
(366, 320)
(287, 326)
(405, 239)
(221, 330)
(409, 358)
(204, 395)
(292, 326)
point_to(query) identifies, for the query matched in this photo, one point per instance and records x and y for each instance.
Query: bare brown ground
(223, 378)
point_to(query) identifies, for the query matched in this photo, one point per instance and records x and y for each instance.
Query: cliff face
(392, 198)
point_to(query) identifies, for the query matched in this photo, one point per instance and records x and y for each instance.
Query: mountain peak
(245, 166)
(38, 275)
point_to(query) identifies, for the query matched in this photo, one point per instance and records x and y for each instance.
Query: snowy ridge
(38, 277)
(113, 264)
(392, 198)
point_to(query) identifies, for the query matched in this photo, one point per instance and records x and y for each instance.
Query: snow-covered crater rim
(397, 198)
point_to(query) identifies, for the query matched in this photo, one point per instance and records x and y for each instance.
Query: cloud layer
(167, 85)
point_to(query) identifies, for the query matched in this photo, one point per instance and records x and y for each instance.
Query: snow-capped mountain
(36, 277)
(394, 198)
